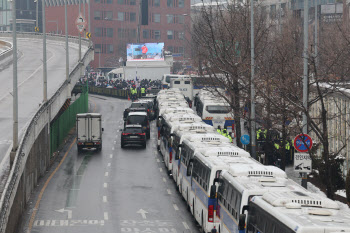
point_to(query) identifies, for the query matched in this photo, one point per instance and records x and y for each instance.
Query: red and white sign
(303, 143)
(81, 23)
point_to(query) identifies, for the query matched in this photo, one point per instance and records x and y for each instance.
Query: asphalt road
(115, 190)
(30, 83)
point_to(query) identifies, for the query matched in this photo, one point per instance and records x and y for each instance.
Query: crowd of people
(94, 79)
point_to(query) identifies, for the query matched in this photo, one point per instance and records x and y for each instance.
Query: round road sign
(302, 143)
(245, 139)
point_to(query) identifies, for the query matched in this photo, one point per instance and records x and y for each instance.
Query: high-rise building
(115, 23)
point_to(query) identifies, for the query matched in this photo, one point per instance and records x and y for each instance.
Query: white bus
(184, 84)
(211, 145)
(215, 112)
(301, 212)
(239, 183)
(167, 77)
(204, 168)
(169, 123)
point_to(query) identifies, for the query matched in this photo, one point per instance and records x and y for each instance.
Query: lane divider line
(104, 199)
(109, 164)
(105, 185)
(106, 173)
(164, 180)
(158, 161)
(105, 216)
(185, 225)
(175, 207)
(169, 192)
(160, 169)
(111, 155)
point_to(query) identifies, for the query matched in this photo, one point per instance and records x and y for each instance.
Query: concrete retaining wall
(32, 156)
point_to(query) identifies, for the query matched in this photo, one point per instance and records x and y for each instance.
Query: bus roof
(224, 162)
(257, 170)
(305, 212)
(195, 127)
(197, 141)
(175, 109)
(187, 117)
(232, 151)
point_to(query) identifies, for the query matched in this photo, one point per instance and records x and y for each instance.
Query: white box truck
(89, 131)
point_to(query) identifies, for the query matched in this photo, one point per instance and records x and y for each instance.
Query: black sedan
(133, 135)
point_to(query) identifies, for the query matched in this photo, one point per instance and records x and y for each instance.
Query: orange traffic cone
(128, 97)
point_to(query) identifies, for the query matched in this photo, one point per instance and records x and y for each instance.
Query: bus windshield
(218, 109)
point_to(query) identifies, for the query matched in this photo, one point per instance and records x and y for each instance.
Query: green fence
(60, 128)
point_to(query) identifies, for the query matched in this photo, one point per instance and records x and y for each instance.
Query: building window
(98, 1)
(110, 48)
(181, 35)
(109, 15)
(170, 18)
(156, 3)
(133, 33)
(170, 48)
(156, 18)
(181, 19)
(181, 49)
(170, 3)
(109, 1)
(98, 32)
(132, 2)
(98, 48)
(170, 34)
(132, 16)
(109, 32)
(182, 3)
(121, 2)
(121, 16)
(97, 15)
(145, 34)
(157, 34)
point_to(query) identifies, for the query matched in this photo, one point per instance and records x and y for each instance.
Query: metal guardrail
(38, 122)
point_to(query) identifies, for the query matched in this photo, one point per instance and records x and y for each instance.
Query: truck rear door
(95, 126)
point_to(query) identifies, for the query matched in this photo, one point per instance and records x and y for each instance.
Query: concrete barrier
(32, 156)
(8, 52)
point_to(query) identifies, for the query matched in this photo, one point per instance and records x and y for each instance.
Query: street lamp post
(44, 54)
(15, 93)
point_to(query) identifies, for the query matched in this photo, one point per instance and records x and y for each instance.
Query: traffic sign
(88, 35)
(302, 162)
(302, 143)
(80, 22)
(36, 29)
(245, 139)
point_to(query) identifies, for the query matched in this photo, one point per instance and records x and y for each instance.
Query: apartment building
(115, 23)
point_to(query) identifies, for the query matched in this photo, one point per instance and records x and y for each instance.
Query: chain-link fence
(60, 128)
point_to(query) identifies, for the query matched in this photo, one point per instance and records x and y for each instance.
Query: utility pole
(305, 76)
(252, 86)
(316, 32)
(37, 13)
(15, 93)
(66, 29)
(44, 53)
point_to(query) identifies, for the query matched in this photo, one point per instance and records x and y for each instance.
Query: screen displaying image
(145, 52)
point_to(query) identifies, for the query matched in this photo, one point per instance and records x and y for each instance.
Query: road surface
(30, 83)
(115, 190)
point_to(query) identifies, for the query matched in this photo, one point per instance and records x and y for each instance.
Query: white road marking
(185, 225)
(156, 152)
(160, 169)
(105, 185)
(106, 173)
(105, 215)
(109, 164)
(164, 180)
(115, 142)
(111, 155)
(66, 223)
(105, 199)
(169, 192)
(158, 161)
(175, 207)
(113, 148)
(143, 213)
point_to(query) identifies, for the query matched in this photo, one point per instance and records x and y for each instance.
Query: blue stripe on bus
(229, 122)
(230, 223)
(165, 85)
(209, 122)
(199, 192)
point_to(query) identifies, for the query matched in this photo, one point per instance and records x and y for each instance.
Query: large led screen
(145, 52)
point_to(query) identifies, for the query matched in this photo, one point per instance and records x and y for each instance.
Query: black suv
(133, 134)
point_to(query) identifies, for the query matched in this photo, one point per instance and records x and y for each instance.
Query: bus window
(187, 82)
(218, 109)
(176, 82)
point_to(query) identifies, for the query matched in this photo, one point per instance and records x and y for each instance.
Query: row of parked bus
(229, 191)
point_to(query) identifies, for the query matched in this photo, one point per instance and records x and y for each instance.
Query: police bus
(242, 181)
(215, 111)
(203, 169)
(185, 86)
(210, 144)
(169, 123)
(167, 77)
(293, 211)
